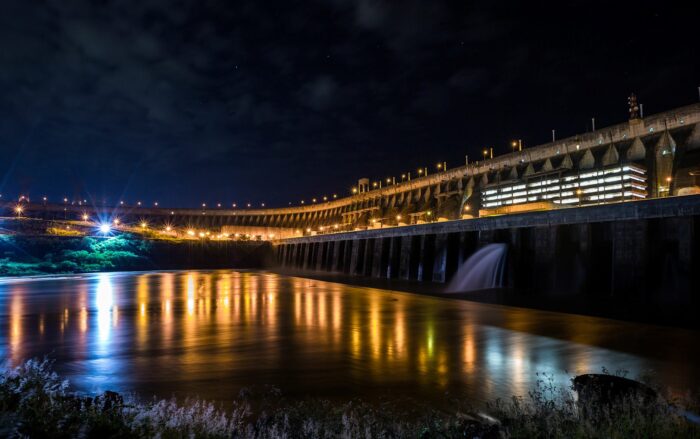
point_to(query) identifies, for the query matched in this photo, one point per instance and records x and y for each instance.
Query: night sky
(187, 102)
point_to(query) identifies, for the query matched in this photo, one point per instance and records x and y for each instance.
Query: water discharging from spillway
(483, 270)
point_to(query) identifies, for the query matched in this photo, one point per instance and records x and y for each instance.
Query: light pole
(517, 144)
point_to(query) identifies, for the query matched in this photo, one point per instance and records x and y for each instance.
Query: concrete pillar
(355, 256)
(306, 250)
(440, 264)
(405, 258)
(281, 255)
(368, 258)
(320, 250)
(335, 258)
(377, 257)
(628, 266)
(328, 264)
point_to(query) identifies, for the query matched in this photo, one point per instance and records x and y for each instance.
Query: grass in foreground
(36, 402)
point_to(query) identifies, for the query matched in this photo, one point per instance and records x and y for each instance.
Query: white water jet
(483, 270)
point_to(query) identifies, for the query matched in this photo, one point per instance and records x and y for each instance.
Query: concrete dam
(633, 260)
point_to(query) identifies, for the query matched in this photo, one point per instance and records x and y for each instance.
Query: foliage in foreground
(36, 402)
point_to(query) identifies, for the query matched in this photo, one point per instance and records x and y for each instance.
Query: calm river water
(211, 333)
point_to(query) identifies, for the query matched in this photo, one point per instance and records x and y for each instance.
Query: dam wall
(634, 260)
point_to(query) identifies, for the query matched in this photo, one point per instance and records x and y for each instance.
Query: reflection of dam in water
(630, 260)
(210, 334)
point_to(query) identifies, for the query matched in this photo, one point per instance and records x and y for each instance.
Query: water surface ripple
(211, 333)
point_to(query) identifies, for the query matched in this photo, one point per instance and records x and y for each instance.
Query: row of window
(611, 184)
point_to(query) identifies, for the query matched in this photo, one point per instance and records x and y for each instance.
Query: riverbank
(25, 255)
(36, 402)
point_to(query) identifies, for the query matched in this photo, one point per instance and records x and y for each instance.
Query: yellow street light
(116, 221)
(190, 232)
(308, 230)
(354, 190)
(144, 225)
(85, 217)
(19, 210)
(168, 228)
(398, 217)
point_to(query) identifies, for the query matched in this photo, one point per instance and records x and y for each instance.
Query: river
(212, 333)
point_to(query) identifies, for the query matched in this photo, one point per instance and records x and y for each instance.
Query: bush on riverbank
(41, 255)
(36, 402)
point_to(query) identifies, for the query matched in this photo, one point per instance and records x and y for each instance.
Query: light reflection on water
(209, 334)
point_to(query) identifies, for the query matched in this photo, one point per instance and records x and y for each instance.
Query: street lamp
(517, 144)
(485, 152)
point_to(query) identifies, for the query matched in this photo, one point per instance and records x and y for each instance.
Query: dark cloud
(188, 101)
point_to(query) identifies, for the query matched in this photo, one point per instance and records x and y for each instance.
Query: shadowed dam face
(483, 270)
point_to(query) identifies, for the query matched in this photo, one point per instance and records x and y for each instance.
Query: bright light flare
(105, 228)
